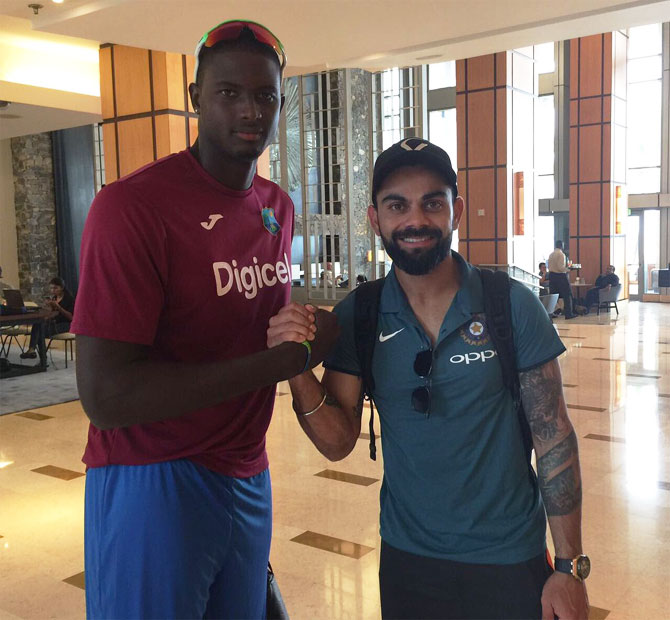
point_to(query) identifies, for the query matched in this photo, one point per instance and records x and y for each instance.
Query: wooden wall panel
(501, 175)
(480, 72)
(135, 144)
(588, 254)
(502, 69)
(106, 84)
(162, 129)
(590, 111)
(482, 197)
(109, 141)
(590, 153)
(177, 133)
(590, 67)
(481, 129)
(175, 78)
(483, 253)
(460, 131)
(193, 128)
(159, 83)
(591, 167)
(501, 125)
(131, 80)
(589, 210)
(151, 118)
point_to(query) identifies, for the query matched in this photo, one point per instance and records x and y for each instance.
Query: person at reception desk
(604, 281)
(183, 263)
(558, 279)
(462, 524)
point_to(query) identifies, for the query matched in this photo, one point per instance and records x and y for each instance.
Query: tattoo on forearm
(541, 393)
(562, 494)
(559, 455)
(358, 409)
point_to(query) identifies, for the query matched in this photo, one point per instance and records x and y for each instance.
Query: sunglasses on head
(231, 31)
(423, 366)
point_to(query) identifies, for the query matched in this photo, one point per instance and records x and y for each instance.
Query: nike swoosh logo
(213, 219)
(383, 338)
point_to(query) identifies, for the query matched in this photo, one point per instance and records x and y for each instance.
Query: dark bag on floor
(497, 306)
(275, 608)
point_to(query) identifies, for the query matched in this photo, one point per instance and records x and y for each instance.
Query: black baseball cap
(413, 152)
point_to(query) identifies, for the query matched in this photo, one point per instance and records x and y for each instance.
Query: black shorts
(413, 586)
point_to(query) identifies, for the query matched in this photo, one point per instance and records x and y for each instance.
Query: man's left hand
(564, 597)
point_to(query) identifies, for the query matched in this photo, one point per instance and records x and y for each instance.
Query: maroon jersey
(173, 259)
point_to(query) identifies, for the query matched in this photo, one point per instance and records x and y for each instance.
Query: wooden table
(578, 288)
(27, 318)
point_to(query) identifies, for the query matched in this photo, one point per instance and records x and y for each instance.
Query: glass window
(544, 186)
(644, 180)
(652, 249)
(544, 134)
(442, 126)
(442, 75)
(645, 41)
(644, 69)
(644, 109)
(544, 58)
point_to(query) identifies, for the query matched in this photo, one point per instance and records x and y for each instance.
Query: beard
(421, 261)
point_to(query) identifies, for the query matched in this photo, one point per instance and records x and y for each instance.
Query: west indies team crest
(475, 333)
(270, 221)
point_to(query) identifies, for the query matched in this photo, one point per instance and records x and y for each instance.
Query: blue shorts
(176, 540)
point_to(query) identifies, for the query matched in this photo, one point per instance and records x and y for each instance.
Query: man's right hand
(297, 323)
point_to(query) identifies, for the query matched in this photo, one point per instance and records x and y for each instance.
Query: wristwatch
(579, 567)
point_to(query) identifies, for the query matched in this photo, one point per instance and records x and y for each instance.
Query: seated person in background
(360, 278)
(60, 300)
(544, 279)
(604, 281)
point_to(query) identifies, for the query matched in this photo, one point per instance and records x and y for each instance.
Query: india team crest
(475, 333)
(270, 221)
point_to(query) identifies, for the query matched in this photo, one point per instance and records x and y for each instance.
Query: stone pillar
(598, 153)
(35, 213)
(146, 110)
(360, 87)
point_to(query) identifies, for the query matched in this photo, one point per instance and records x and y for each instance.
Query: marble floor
(325, 546)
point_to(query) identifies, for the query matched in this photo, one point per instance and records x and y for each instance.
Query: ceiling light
(35, 7)
(57, 1)
(4, 464)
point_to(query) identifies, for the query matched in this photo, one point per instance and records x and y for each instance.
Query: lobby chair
(13, 333)
(67, 338)
(549, 302)
(607, 299)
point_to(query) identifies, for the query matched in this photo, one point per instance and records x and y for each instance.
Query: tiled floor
(325, 545)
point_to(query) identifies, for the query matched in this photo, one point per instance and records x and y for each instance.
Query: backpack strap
(498, 309)
(366, 311)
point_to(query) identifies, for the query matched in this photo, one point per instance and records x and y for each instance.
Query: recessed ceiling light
(429, 57)
(57, 1)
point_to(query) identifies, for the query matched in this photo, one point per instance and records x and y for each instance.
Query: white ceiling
(20, 119)
(320, 34)
(370, 34)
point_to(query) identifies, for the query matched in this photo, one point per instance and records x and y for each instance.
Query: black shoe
(572, 316)
(28, 355)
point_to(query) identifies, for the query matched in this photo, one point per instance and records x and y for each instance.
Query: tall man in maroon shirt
(183, 264)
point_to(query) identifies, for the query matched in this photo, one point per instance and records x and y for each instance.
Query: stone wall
(32, 163)
(360, 85)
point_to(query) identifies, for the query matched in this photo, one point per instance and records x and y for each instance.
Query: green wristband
(308, 346)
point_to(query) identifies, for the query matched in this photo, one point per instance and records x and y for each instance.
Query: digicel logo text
(250, 278)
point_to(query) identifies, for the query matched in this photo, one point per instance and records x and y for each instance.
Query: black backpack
(497, 306)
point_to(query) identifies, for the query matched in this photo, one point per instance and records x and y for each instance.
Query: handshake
(298, 323)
